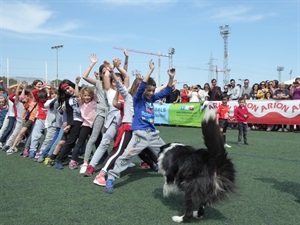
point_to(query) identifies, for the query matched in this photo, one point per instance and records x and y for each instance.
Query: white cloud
(135, 2)
(26, 18)
(236, 14)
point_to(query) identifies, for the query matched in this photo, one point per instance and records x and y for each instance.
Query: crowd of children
(72, 121)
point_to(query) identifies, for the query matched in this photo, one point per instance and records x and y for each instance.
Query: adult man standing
(215, 93)
(234, 90)
(245, 89)
(174, 96)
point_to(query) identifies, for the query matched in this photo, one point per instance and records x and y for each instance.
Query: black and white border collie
(204, 175)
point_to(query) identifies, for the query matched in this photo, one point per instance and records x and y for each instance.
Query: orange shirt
(28, 106)
(223, 111)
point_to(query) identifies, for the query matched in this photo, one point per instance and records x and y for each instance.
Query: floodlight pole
(279, 69)
(171, 53)
(57, 47)
(225, 31)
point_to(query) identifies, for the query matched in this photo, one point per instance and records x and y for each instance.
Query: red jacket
(42, 111)
(239, 114)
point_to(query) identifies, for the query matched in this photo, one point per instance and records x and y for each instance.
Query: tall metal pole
(225, 31)
(57, 47)
(279, 70)
(171, 53)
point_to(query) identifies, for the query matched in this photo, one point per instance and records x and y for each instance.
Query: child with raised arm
(67, 96)
(144, 133)
(241, 115)
(113, 119)
(41, 95)
(124, 132)
(101, 111)
(25, 105)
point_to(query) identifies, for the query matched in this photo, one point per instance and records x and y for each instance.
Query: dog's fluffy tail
(213, 137)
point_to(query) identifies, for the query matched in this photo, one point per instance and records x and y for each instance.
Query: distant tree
(12, 81)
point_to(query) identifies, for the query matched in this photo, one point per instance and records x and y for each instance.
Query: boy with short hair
(241, 114)
(223, 117)
(41, 96)
(144, 133)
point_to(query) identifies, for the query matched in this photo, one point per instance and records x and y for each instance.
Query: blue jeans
(36, 133)
(9, 128)
(51, 146)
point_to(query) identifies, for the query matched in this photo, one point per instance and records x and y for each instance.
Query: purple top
(296, 94)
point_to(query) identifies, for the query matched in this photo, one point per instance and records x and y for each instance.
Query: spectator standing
(197, 95)
(225, 91)
(295, 95)
(184, 94)
(262, 90)
(295, 90)
(234, 90)
(254, 90)
(246, 89)
(174, 96)
(282, 94)
(215, 93)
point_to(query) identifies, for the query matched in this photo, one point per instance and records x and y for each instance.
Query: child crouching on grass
(144, 133)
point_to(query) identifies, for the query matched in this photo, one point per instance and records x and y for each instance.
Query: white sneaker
(131, 165)
(280, 129)
(11, 151)
(285, 130)
(227, 146)
(83, 168)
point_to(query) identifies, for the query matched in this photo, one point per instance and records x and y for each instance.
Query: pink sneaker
(89, 171)
(144, 166)
(25, 153)
(73, 165)
(100, 179)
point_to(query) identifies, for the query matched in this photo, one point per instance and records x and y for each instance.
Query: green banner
(186, 114)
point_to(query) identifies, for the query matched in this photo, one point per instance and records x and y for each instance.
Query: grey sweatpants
(97, 128)
(140, 140)
(107, 139)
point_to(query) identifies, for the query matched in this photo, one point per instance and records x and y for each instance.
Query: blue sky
(264, 34)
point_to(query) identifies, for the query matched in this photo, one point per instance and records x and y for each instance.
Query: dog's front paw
(177, 219)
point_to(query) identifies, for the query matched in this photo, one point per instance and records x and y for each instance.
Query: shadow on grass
(176, 202)
(134, 174)
(286, 186)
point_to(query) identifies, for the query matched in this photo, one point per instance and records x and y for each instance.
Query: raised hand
(171, 72)
(151, 65)
(125, 52)
(77, 80)
(116, 62)
(108, 66)
(93, 58)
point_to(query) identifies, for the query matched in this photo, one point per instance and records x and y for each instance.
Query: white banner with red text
(260, 112)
